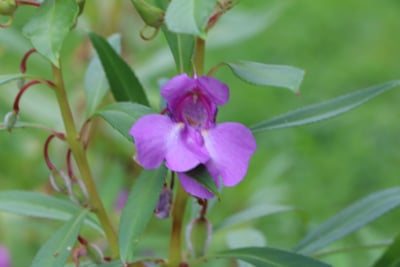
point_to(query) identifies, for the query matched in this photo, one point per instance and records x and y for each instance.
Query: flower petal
(177, 87)
(158, 138)
(193, 187)
(217, 91)
(230, 146)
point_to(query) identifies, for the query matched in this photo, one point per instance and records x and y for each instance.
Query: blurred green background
(343, 45)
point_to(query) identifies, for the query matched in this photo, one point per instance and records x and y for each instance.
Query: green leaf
(390, 257)
(116, 263)
(350, 219)
(324, 110)
(268, 75)
(203, 177)
(6, 78)
(95, 83)
(252, 214)
(41, 206)
(49, 26)
(123, 115)
(125, 86)
(139, 209)
(56, 250)
(269, 257)
(189, 16)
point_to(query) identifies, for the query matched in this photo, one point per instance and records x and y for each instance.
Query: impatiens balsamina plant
(180, 152)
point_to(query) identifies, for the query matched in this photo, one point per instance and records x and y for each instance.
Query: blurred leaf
(324, 110)
(116, 263)
(123, 115)
(96, 84)
(189, 16)
(350, 219)
(125, 86)
(41, 206)
(6, 78)
(203, 177)
(391, 256)
(268, 75)
(139, 209)
(56, 250)
(49, 26)
(251, 214)
(269, 257)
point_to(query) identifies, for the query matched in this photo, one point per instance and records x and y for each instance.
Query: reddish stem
(69, 166)
(21, 92)
(49, 164)
(25, 59)
(28, 3)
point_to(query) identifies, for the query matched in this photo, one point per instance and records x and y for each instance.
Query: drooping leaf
(124, 84)
(391, 257)
(6, 78)
(251, 214)
(269, 257)
(268, 75)
(350, 219)
(56, 250)
(324, 110)
(41, 206)
(139, 209)
(49, 26)
(189, 16)
(95, 83)
(123, 115)
(203, 177)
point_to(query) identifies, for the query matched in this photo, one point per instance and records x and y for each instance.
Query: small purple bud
(5, 258)
(198, 236)
(164, 204)
(121, 200)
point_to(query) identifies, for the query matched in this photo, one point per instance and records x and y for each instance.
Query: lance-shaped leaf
(269, 257)
(350, 219)
(6, 78)
(56, 250)
(189, 16)
(203, 177)
(95, 83)
(268, 75)
(324, 110)
(124, 84)
(49, 26)
(123, 115)
(390, 257)
(41, 206)
(139, 209)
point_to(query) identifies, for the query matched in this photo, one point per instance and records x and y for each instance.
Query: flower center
(196, 111)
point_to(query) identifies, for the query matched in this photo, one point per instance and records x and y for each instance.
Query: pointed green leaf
(6, 78)
(41, 206)
(189, 16)
(49, 26)
(124, 84)
(203, 177)
(139, 209)
(252, 214)
(123, 115)
(269, 257)
(350, 219)
(324, 110)
(56, 250)
(390, 257)
(95, 83)
(268, 75)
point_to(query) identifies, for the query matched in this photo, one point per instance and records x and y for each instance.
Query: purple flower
(5, 258)
(189, 135)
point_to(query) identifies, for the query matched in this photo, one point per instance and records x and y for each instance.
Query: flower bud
(151, 15)
(60, 181)
(10, 120)
(78, 193)
(7, 7)
(94, 253)
(198, 236)
(164, 204)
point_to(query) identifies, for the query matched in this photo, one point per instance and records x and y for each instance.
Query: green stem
(198, 60)
(178, 212)
(79, 154)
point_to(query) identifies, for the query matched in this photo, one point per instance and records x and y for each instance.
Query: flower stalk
(78, 151)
